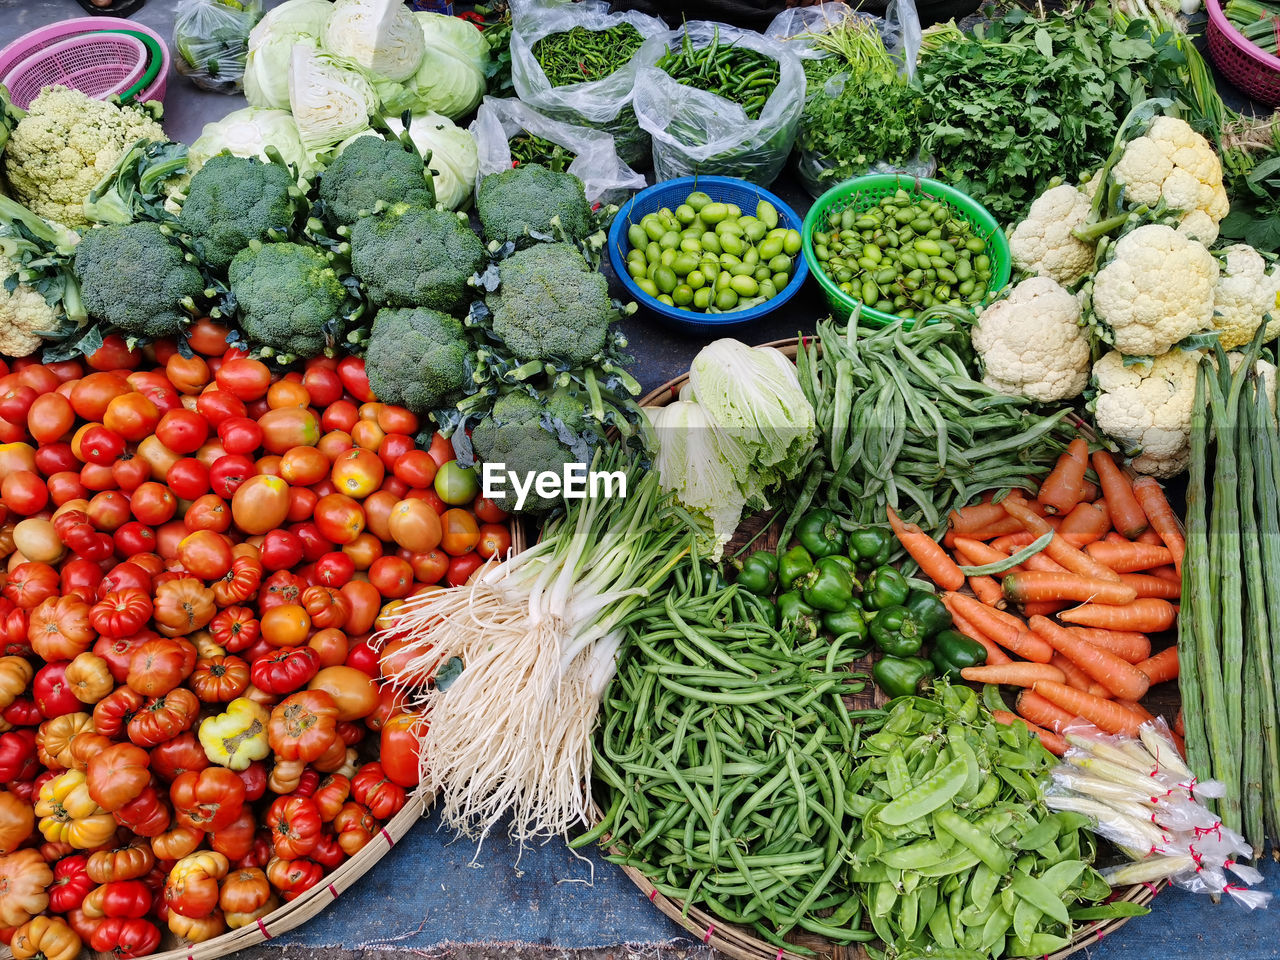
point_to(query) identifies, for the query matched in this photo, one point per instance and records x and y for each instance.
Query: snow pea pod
(986, 849)
(926, 797)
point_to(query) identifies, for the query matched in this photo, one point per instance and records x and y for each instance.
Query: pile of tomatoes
(198, 551)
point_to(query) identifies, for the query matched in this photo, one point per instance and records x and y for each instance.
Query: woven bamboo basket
(741, 943)
(299, 911)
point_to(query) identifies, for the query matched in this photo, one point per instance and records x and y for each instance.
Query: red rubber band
(653, 895)
(1154, 889)
(779, 957)
(386, 836)
(710, 930)
(333, 891)
(263, 927)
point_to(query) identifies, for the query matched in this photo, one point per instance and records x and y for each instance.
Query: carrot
(1031, 706)
(1064, 553)
(1103, 714)
(1086, 523)
(1143, 713)
(1114, 537)
(1129, 557)
(1161, 516)
(1149, 536)
(1061, 489)
(1178, 727)
(1014, 674)
(1044, 564)
(933, 560)
(975, 553)
(1149, 586)
(1162, 667)
(994, 653)
(1126, 512)
(1088, 491)
(1075, 676)
(1044, 608)
(1147, 615)
(1011, 543)
(987, 590)
(1008, 525)
(1167, 572)
(1038, 585)
(1126, 644)
(976, 516)
(1048, 739)
(1119, 676)
(1004, 628)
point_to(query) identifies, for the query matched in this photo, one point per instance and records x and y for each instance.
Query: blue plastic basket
(672, 193)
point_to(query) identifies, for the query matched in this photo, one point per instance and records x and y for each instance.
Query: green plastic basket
(862, 193)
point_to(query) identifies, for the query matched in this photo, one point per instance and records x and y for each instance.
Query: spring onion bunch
(536, 636)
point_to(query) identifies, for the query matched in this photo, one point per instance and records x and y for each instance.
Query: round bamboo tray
(741, 943)
(299, 911)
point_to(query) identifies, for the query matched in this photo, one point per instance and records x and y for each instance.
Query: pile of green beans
(707, 256)
(958, 855)
(722, 760)
(905, 423)
(904, 255)
(735, 73)
(529, 148)
(580, 55)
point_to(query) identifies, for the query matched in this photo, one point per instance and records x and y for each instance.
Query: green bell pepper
(901, 676)
(793, 567)
(896, 632)
(886, 587)
(849, 622)
(758, 573)
(766, 611)
(819, 532)
(931, 613)
(829, 587)
(953, 651)
(792, 610)
(870, 547)
(847, 565)
(711, 578)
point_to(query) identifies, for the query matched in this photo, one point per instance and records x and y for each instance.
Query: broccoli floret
(530, 199)
(289, 297)
(417, 358)
(134, 278)
(369, 170)
(525, 433)
(411, 256)
(232, 200)
(551, 304)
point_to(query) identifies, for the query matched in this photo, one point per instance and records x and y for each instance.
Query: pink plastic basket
(109, 63)
(1245, 64)
(32, 44)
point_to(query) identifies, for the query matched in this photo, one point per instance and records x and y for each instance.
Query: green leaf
(1044, 44)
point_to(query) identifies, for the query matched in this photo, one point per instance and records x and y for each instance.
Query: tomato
(135, 537)
(125, 937)
(108, 510)
(52, 692)
(125, 576)
(208, 337)
(65, 486)
(188, 478)
(392, 576)
(399, 749)
(429, 567)
(352, 690)
(416, 468)
(189, 375)
(333, 445)
(287, 393)
(240, 435)
(323, 385)
(130, 472)
(334, 569)
(209, 800)
(80, 577)
(393, 447)
(461, 533)
(378, 508)
(365, 603)
(153, 504)
(363, 550)
(430, 497)
(205, 554)
(286, 626)
(54, 458)
(114, 354)
(100, 445)
(456, 485)
(157, 457)
(260, 504)
(16, 403)
(153, 385)
(358, 473)
(132, 415)
(209, 512)
(244, 378)
(339, 518)
(16, 456)
(487, 511)
(415, 526)
(441, 449)
(217, 405)
(289, 427)
(281, 550)
(210, 452)
(50, 416)
(367, 435)
(354, 378)
(397, 420)
(229, 472)
(183, 431)
(303, 466)
(314, 544)
(461, 568)
(286, 670)
(24, 493)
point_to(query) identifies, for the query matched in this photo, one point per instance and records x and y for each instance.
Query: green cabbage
(247, 133)
(379, 36)
(266, 69)
(451, 79)
(331, 98)
(454, 162)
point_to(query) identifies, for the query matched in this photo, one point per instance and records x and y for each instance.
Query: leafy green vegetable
(1251, 164)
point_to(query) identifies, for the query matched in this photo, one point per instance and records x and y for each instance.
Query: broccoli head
(371, 169)
(551, 304)
(232, 200)
(417, 358)
(525, 200)
(412, 256)
(134, 278)
(289, 297)
(528, 434)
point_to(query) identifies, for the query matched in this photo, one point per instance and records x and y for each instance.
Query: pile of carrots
(1108, 567)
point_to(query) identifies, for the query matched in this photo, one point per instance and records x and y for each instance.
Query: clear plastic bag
(211, 41)
(603, 104)
(597, 164)
(901, 33)
(697, 132)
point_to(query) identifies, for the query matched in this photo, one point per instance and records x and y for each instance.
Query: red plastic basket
(1245, 64)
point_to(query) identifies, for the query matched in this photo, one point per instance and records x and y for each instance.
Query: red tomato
(229, 472)
(416, 468)
(260, 504)
(130, 472)
(339, 518)
(289, 427)
(189, 375)
(24, 493)
(365, 603)
(314, 545)
(334, 569)
(205, 554)
(487, 511)
(395, 486)
(188, 478)
(460, 532)
(281, 550)
(64, 370)
(108, 510)
(153, 503)
(37, 376)
(114, 354)
(461, 568)
(245, 378)
(367, 435)
(334, 444)
(135, 537)
(397, 420)
(217, 405)
(16, 402)
(209, 512)
(81, 577)
(340, 415)
(64, 486)
(96, 477)
(354, 378)
(304, 466)
(430, 496)
(182, 431)
(101, 445)
(323, 384)
(392, 576)
(393, 447)
(363, 550)
(54, 458)
(208, 337)
(441, 450)
(51, 416)
(288, 393)
(168, 536)
(93, 393)
(399, 752)
(52, 693)
(429, 567)
(302, 504)
(240, 435)
(132, 415)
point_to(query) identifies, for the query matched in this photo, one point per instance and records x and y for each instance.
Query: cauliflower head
(65, 145)
(1175, 164)
(1043, 243)
(1244, 294)
(1147, 408)
(1157, 288)
(23, 313)
(1032, 344)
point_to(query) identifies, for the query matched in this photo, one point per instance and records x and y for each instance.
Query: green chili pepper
(849, 622)
(870, 547)
(930, 612)
(758, 573)
(793, 566)
(953, 651)
(901, 676)
(819, 532)
(792, 609)
(896, 632)
(829, 587)
(886, 587)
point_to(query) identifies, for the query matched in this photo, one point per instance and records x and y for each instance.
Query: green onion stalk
(535, 637)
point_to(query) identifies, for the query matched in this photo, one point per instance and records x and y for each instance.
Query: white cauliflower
(1156, 290)
(1032, 344)
(1244, 295)
(23, 313)
(1175, 164)
(1043, 243)
(1147, 408)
